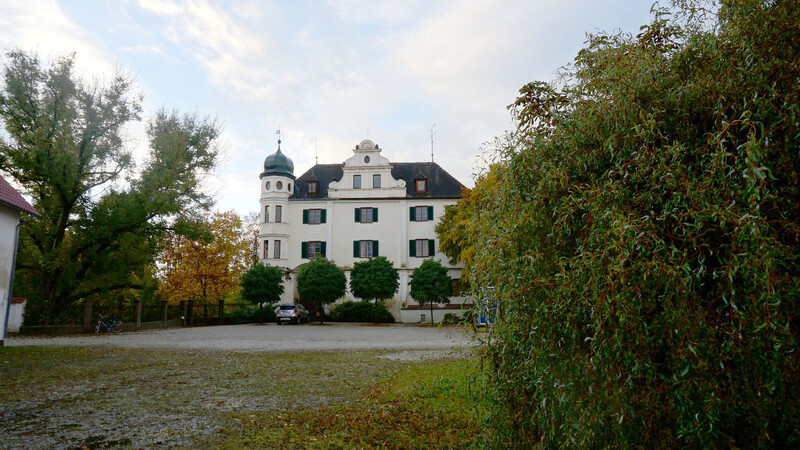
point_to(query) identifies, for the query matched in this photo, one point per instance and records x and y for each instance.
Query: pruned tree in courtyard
(430, 284)
(322, 282)
(375, 279)
(262, 284)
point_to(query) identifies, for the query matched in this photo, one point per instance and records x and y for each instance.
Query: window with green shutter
(314, 248)
(365, 249)
(313, 216)
(304, 250)
(421, 248)
(420, 213)
(367, 215)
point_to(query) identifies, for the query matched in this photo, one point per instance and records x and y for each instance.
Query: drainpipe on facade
(11, 282)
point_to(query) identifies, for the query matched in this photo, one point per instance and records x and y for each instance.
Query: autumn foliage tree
(207, 264)
(458, 228)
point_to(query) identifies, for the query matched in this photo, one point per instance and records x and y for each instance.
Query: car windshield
(287, 307)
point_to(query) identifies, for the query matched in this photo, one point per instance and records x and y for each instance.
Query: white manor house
(350, 212)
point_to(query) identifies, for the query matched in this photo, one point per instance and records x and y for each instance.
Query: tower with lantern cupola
(277, 185)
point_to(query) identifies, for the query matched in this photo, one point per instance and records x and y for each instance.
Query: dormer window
(312, 188)
(356, 181)
(421, 185)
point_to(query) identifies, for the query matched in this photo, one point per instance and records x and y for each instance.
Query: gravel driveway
(270, 338)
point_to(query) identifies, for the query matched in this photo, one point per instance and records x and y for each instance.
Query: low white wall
(15, 316)
(415, 315)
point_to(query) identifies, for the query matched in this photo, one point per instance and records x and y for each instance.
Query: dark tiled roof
(10, 197)
(440, 183)
(324, 174)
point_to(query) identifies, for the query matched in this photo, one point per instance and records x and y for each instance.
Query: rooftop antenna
(316, 156)
(433, 133)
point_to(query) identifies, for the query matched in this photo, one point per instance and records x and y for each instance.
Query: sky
(327, 73)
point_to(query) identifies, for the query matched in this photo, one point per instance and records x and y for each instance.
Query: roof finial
(278, 132)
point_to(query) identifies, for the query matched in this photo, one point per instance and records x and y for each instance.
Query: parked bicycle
(114, 326)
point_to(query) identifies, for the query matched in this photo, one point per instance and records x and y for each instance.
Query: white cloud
(43, 27)
(328, 69)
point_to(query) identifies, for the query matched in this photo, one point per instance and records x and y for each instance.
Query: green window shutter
(323, 216)
(358, 214)
(375, 248)
(305, 216)
(304, 250)
(412, 214)
(375, 215)
(412, 248)
(322, 247)
(430, 212)
(356, 249)
(431, 247)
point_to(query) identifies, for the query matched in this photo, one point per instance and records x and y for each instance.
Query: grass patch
(426, 405)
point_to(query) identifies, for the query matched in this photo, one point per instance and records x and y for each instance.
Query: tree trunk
(431, 313)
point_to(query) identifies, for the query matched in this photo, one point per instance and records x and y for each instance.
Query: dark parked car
(292, 313)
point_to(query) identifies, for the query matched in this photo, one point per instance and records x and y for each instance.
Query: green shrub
(450, 319)
(249, 314)
(643, 241)
(350, 311)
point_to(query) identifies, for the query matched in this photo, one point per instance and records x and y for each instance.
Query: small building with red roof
(13, 208)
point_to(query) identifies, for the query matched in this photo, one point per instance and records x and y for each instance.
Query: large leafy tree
(321, 281)
(430, 284)
(101, 218)
(374, 279)
(262, 284)
(206, 267)
(644, 240)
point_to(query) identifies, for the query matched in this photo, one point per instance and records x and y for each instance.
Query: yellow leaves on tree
(457, 230)
(201, 269)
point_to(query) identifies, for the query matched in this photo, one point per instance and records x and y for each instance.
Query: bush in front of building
(249, 314)
(361, 312)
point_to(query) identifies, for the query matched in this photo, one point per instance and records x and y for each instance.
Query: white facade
(348, 223)
(9, 218)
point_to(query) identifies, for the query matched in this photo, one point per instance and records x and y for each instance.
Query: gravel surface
(192, 387)
(270, 338)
